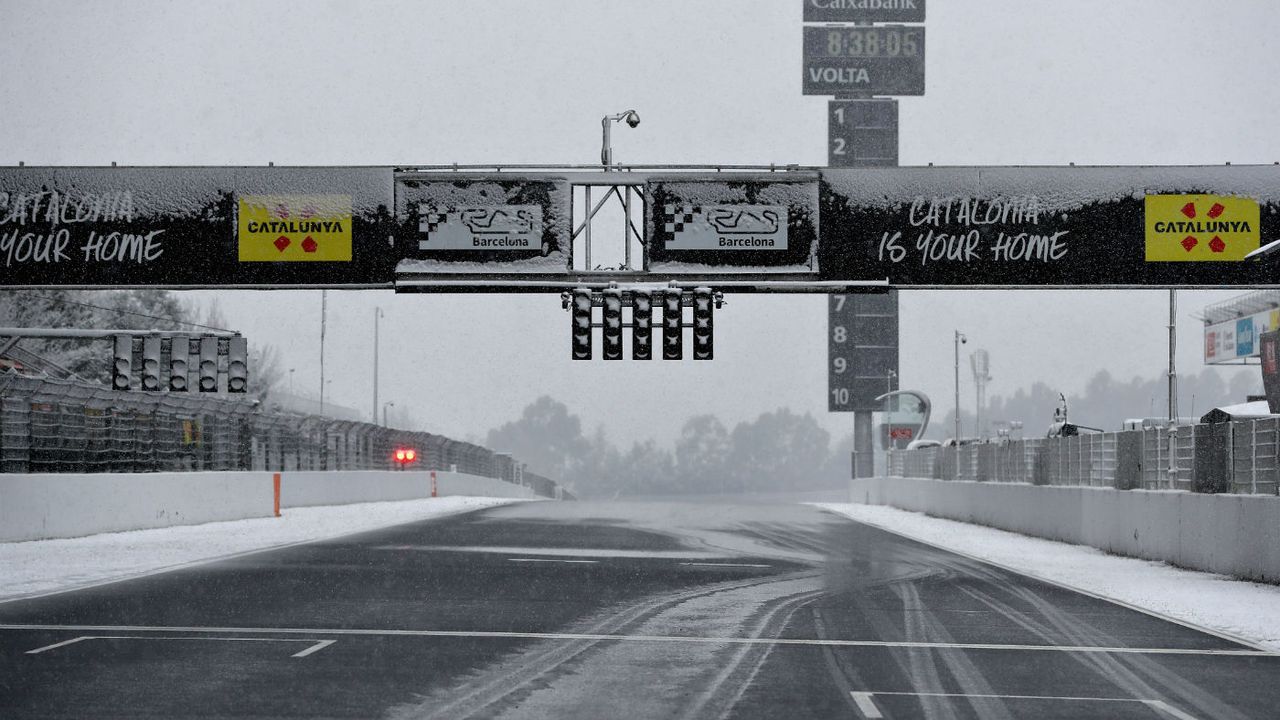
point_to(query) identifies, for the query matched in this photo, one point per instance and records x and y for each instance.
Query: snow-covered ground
(1244, 610)
(44, 566)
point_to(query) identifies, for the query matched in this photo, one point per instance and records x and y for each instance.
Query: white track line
(371, 632)
(555, 560)
(1167, 708)
(58, 645)
(866, 705)
(715, 564)
(315, 647)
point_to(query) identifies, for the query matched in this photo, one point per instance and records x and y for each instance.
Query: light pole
(385, 405)
(377, 313)
(887, 419)
(959, 338)
(291, 380)
(324, 310)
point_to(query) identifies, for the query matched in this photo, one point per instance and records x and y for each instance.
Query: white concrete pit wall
(1236, 535)
(39, 506)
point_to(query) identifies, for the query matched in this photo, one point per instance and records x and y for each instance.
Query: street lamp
(959, 338)
(385, 405)
(291, 380)
(606, 146)
(377, 313)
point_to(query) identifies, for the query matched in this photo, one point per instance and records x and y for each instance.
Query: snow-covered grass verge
(1245, 610)
(41, 567)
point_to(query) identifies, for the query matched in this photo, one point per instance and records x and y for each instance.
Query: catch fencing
(1233, 457)
(60, 426)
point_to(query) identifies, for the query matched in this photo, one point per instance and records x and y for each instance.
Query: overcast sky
(503, 81)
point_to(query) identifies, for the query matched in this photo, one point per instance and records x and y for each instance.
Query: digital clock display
(866, 42)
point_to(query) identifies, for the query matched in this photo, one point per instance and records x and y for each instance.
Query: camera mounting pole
(606, 146)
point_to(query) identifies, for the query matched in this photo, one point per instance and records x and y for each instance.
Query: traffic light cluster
(179, 349)
(670, 302)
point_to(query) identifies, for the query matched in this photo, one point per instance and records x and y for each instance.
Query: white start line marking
(726, 564)
(557, 560)
(867, 706)
(316, 645)
(502, 634)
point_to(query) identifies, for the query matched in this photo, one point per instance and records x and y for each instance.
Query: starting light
(122, 362)
(208, 367)
(151, 363)
(613, 324)
(642, 325)
(405, 456)
(672, 329)
(703, 312)
(179, 354)
(237, 365)
(581, 310)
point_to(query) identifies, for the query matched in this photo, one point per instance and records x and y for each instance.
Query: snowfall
(1248, 612)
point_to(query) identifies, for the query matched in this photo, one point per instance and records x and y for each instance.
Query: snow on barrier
(1235, 535)
(41, 506)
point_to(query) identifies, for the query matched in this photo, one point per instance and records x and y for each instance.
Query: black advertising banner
(266, 227)
(914, 227)
(490, 222)
(1051, 227)
(732, 223)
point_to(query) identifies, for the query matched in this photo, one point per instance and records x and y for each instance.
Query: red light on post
(404, 456)
(410, 455)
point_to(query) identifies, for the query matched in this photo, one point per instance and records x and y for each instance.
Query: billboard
(744, 223)
(1237, 340)
(483, 222)
(922, 227)
(198, 226)
(1051, 226)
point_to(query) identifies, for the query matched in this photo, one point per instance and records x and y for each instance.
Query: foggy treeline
(782, 451)
(779, 451)
(1106, 402)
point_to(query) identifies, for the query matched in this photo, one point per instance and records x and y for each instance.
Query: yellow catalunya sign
(1198, 228)
(295, 228)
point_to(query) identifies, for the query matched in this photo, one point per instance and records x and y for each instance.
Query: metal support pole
(1173, 387)
(606, 146)
(377, 313)
(956, 340)
(863, 447)
(586, 238)
(626, 225)
(1173, 344)
(324, 307)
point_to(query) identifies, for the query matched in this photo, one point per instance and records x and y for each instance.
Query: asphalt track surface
(626, 610)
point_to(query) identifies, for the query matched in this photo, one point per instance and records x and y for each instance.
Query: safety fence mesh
(49, 425)
(1240, 457)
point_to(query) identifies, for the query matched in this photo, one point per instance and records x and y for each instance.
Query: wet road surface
(635, 610)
